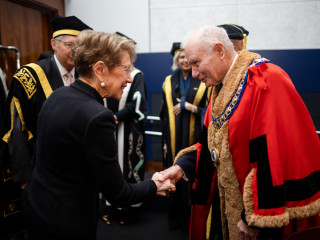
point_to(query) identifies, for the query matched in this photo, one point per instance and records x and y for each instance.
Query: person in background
(31, 85)
(237, 35)
(265, 178)
(183, 99)
(76, 150)
(131, 114)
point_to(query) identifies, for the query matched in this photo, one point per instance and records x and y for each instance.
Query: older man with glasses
(31, 85)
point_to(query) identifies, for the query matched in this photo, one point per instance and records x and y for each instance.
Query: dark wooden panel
(25, 24)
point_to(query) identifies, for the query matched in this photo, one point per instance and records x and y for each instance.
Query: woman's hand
(188, 106)
(176, 108)
(163, 187)
(165, 149)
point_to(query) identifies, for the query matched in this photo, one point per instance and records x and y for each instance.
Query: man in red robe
(259, 150)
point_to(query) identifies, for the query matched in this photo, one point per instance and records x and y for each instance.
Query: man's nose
(195, 72)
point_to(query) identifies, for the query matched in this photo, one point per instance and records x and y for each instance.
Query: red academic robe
(274, 152)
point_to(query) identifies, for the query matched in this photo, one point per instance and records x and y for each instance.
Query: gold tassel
(244, 41)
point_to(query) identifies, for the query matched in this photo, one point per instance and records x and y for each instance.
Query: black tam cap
(67, 26)
(176, 46)
(235, 31)
(122, 35)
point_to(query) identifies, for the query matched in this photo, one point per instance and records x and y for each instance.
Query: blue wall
(301, 65)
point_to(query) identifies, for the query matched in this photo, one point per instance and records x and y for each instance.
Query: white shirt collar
(63, 70)
(225, 77)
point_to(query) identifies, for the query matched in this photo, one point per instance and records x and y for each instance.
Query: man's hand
(245, 232)
(174, 173)
(163, 187)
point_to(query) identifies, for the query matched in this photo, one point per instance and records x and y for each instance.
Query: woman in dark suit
(76, 148)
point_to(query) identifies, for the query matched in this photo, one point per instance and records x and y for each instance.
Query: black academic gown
(180, 132)
(30, 87)
(131, 112)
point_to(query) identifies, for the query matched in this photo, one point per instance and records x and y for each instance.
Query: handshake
(166, 180)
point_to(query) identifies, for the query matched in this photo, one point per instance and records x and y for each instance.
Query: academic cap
(122, 35)
(67, 26)
(236, 32)
(176, 46)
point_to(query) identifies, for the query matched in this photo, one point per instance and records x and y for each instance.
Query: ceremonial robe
(265, 149)
(180, 131)
(30, 87)
(131, 112)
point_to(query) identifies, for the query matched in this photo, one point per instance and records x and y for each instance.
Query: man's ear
(53, 44)
(219, 49)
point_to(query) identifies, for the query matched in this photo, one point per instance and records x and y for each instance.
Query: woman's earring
(102, 84)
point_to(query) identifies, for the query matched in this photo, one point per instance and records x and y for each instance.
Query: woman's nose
(129, 78)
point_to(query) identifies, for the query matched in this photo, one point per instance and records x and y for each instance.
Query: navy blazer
(76, 157)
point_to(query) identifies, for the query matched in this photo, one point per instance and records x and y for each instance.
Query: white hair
(208, 36)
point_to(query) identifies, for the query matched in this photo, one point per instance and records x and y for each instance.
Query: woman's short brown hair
(92, 46)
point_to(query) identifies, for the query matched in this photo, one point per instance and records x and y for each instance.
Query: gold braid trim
(42, 78)
(183, 152)
(15, 104)
(27, 81)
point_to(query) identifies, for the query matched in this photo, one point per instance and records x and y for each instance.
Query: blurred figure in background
(131, 115)
(183, 99)
(31, 85)
(237, 35)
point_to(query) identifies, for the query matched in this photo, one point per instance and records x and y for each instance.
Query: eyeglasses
(68, 45)
(126, 69)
